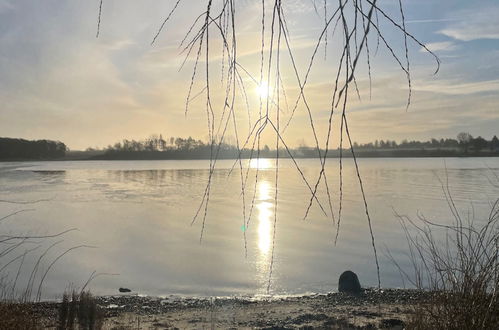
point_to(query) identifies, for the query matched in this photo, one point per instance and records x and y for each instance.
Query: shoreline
(373, 308)
(346, 156)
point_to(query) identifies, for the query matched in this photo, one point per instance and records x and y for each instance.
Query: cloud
(444, 46)
(429, 116)
(477, 23)
(453, 87)
(437, 20)
(118, 45)
(298, 6)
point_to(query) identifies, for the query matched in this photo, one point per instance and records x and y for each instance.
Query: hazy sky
(58, 81)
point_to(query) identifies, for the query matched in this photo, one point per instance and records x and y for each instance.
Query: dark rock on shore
(349, 283)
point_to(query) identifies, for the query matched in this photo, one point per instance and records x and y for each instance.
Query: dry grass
(459, 263)
(79, 311)
(447, 310)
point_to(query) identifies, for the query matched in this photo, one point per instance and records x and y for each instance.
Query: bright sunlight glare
(262, 90)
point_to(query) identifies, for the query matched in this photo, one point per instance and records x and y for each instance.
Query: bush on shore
(459, 264)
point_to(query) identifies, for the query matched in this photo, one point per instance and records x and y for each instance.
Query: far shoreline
(346, 155)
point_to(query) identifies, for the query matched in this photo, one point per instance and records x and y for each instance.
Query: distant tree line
(464, 141)
(157, 143)
(156, 147)
(12, 149)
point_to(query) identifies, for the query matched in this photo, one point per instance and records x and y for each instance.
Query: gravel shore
(373, 309)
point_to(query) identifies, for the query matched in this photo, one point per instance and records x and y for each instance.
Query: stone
(391, 323)
(124, 290)
(349, 283)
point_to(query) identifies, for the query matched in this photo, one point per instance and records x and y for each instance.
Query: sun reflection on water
(261, 164)
(264, 229)
(264, 205)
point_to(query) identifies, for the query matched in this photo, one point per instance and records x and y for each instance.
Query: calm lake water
(137, 217)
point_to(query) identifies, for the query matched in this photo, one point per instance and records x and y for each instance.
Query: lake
(134, 218)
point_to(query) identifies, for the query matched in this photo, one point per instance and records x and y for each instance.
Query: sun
(262, 90)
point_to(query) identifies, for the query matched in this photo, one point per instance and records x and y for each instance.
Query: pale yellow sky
(59, 82)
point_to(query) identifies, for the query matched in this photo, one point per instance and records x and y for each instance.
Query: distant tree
(162, 143)
(479, 143)
(151, 143)
(127, 146)
(451, 143)
(464, 140)
(137, 146)
(494, 144)
(189, 143)
(179, 143)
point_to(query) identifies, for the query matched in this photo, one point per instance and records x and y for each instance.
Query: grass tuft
(79, 311)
